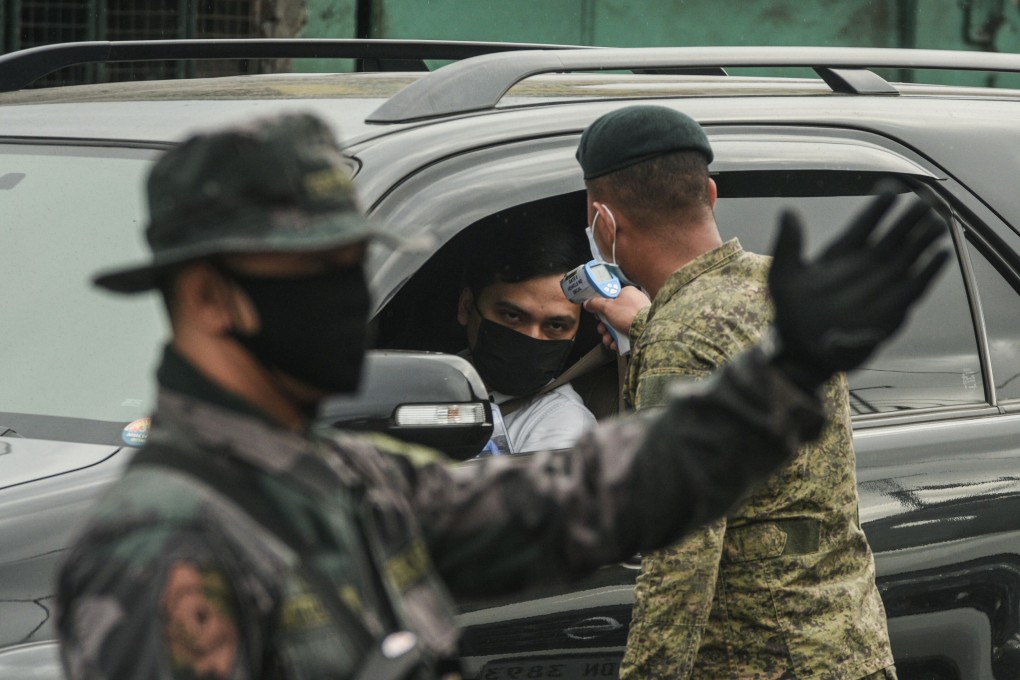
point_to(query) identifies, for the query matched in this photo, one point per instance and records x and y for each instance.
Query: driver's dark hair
(521, 250)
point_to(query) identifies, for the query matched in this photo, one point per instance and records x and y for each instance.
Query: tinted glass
(1000, 303)
(934, 361)
(67, 349)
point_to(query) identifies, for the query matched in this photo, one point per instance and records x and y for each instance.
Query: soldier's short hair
(663, 188)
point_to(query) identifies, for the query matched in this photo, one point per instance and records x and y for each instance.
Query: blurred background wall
(983, 25)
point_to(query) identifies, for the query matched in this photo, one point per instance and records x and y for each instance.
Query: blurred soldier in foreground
(784, 585)
(238, 545)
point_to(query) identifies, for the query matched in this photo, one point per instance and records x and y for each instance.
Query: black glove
(832, 313)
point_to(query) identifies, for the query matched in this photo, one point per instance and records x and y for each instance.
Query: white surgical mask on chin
(613, 267)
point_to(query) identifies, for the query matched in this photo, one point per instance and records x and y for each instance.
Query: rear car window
(934, 361)
(1001, 306)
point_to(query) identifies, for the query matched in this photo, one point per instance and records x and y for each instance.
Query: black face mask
(514, 363)
(312, 328)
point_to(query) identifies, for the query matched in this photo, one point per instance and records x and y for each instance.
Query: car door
(935, 423)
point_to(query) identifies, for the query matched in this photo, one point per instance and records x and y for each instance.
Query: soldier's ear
(208, 301)
(201, 299)
(605, 226)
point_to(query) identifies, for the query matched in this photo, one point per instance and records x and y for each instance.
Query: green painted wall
(556, 21)
(328, 19)
(941, 24)
(778, 22)
(936, 24)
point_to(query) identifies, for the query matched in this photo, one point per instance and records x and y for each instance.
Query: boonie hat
(277, 184)
(633, 134)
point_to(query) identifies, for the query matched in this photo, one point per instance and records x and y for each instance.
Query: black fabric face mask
(514, 363)
(313, 328)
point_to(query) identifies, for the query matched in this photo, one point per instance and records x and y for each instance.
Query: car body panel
(35, 661)
(147, 121)
(943, 528)
(37, 522)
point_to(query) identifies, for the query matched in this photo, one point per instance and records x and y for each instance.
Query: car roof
(162, 112)
(166, 111)
(951, 125)
(480, 83)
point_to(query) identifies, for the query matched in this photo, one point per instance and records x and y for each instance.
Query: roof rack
(19, 69)
(478, 84)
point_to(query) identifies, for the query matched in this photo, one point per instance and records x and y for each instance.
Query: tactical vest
(408, 630)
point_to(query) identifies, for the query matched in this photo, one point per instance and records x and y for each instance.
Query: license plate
(561, 667)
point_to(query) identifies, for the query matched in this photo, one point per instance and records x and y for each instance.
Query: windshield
(67, 349)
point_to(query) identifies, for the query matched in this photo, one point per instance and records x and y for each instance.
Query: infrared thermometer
(593, 279)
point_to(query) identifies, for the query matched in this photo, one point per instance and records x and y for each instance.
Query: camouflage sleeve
(637, 325)
(125, 613)
(673, 360)
(633, 484)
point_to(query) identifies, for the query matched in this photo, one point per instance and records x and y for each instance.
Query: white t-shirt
(554, 420)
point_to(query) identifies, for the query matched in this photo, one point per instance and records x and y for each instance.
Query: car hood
(28, 460)
(47, 491)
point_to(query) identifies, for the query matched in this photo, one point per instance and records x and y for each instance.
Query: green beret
(633, 134)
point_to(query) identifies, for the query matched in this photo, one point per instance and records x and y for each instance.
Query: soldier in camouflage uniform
(240, 545)
(784, 585)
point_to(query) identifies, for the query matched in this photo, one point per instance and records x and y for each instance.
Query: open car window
(934, 364)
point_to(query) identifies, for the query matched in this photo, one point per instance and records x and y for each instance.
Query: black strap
(229, 483)
(595, 357)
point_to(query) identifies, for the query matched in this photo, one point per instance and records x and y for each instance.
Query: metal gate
(29, 23)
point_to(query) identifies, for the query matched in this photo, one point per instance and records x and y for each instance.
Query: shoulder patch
(200, 628)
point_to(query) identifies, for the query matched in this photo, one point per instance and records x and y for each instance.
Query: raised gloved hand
(834, 311)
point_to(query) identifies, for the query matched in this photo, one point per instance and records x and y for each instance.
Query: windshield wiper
(8, 432)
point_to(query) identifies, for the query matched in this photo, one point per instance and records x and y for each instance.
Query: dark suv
(490, 140)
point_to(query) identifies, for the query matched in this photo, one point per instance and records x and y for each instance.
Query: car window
(934, 362)
(68, 350)
(423, 316)
(1001, 306)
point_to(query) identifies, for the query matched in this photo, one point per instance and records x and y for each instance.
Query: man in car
(784, 585)
(521, 328)
(239, 544)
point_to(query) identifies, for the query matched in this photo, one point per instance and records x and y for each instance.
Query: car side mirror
(436, 400)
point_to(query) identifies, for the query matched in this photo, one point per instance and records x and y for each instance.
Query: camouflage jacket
(173, 579)
(784, 586)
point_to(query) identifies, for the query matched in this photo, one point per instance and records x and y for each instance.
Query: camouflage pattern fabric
(784, 586)
(172, 579)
